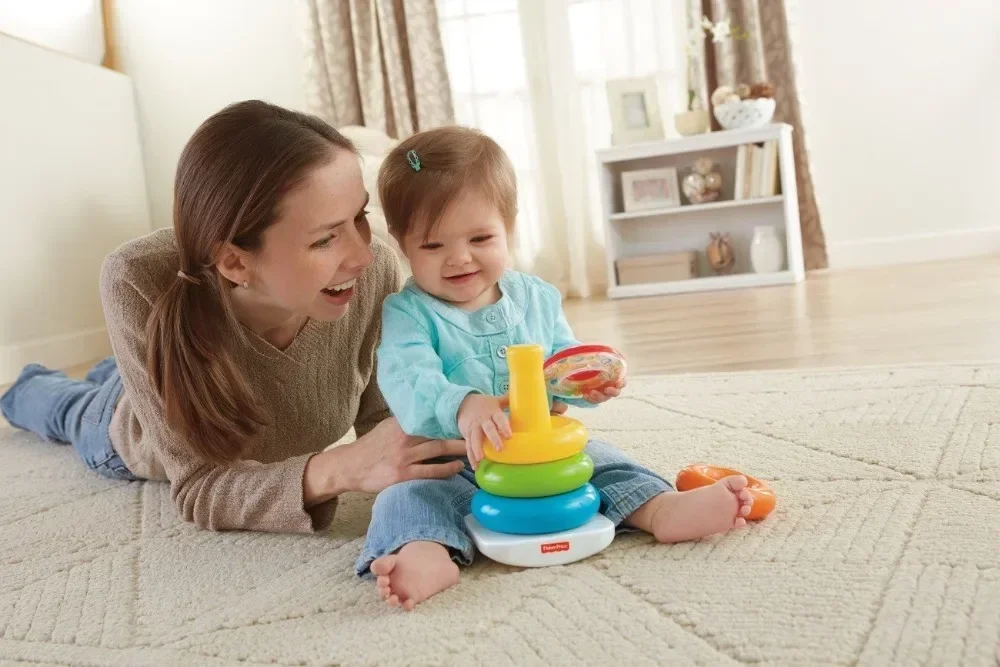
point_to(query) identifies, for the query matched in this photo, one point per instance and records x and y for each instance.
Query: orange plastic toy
(702, 475)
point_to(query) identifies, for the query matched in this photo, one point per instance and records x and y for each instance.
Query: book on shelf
(756, 170)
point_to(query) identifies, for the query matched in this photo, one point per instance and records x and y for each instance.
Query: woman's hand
(480, 416)
(382, 457)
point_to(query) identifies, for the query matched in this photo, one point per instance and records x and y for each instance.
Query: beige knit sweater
(316, 389)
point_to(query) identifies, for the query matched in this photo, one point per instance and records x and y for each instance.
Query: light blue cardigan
(433, 354)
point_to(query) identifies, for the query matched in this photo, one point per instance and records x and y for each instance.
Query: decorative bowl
(745, 113)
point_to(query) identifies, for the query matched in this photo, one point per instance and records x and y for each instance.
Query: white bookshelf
(687, 227)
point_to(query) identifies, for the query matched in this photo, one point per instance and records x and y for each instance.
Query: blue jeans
(50, 404)
(433, 510)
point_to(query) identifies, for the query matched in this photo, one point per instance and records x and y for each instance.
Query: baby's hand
(599, 396)
(483, 415)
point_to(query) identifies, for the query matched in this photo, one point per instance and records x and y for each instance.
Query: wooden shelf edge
(698, 142)
(704, 284)
(696, 208)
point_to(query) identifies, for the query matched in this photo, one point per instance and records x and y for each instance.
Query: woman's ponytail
(231, 177)
(191, 361)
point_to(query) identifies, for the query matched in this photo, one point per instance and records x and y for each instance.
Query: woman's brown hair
(424, 174)
(231, 178)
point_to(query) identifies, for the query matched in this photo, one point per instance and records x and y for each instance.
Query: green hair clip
(413, 159)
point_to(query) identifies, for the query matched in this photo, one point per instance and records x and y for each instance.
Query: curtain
(758, 48)
(571, 255)
(377, 63)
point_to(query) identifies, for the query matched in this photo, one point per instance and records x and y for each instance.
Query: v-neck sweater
(314, 391)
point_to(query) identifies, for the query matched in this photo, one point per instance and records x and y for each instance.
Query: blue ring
(534, 516)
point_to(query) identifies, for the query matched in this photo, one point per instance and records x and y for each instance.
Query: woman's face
(311, 256)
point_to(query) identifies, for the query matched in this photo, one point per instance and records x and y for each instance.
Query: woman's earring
(246, 285)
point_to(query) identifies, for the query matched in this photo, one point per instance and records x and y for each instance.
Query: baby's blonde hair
(424, 174)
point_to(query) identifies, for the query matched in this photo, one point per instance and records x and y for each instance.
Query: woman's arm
(383, 457)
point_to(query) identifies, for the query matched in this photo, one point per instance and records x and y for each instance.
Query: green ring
(536, 480)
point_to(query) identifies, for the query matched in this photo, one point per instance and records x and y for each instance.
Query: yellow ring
(566, 438)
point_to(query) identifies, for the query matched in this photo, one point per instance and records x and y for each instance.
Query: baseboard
(914, 248)
(62, 351)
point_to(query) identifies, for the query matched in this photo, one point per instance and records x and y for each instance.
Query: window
(482, 43)
(610, 39)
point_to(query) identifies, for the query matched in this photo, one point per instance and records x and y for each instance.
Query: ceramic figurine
(720, 254)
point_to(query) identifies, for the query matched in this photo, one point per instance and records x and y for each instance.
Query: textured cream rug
(884, 549)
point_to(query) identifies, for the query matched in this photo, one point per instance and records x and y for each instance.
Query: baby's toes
(745, 509)
(739, 522)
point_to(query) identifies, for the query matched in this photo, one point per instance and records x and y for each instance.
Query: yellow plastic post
(538, 437)
(529, 405)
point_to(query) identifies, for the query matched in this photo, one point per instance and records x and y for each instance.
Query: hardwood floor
(934, 312)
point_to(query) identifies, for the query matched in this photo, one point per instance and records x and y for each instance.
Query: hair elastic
(190, 279)
(413, 159)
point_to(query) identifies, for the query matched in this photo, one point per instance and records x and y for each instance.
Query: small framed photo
(635, 111)
(650, 188)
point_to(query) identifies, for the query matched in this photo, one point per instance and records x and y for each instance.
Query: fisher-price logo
(555, 547)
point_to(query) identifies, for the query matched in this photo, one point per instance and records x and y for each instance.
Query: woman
(244, 338)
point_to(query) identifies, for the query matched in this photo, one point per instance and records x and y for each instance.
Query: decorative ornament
(704, 183)
(720, 95)
(720, 254)
(761, 89)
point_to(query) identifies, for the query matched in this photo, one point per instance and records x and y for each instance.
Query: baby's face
(465, 255)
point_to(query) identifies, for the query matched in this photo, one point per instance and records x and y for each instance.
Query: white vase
(767, 255)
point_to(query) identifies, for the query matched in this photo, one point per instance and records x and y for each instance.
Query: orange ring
(702, 475)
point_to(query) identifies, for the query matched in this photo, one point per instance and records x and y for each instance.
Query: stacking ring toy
(534, 516)
(702, 475)
(565, 438)
(537, 481)
(579, 370)
(537, 436)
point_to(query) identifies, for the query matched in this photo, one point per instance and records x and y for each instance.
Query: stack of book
(756, 170)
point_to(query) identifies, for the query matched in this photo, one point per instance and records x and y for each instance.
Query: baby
(450, 201)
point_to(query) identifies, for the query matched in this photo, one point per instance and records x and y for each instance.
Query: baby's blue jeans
(433, 510)
(78, 412)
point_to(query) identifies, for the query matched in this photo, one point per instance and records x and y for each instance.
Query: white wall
(902, 125)
(73, 27)
(190, 58)
(71, 190)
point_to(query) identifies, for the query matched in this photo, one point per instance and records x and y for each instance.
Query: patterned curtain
(759, 49)
(378, 63)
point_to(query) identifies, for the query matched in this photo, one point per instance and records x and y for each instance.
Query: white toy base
(546, 549)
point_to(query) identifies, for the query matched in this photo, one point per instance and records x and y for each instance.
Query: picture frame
(647, 189)
(635, 111)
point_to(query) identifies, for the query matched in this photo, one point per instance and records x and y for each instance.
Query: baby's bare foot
(418, 571)
(688, 515)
